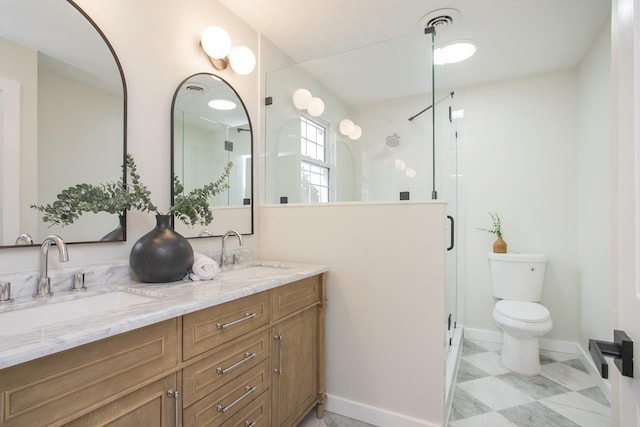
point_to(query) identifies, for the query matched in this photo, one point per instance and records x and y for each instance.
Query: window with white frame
(314, 167)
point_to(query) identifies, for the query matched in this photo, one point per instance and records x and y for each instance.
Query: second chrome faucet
(43, 287)
(223, 258)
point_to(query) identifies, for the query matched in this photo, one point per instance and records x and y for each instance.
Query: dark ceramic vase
(117, 234)
(161, 255)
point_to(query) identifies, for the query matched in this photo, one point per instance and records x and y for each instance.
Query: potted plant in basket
(162, 255)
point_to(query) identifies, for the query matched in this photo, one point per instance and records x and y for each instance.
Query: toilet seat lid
(523, 311)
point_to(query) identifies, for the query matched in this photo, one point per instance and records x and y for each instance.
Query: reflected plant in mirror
(63, 92)
(191, 208)
(210, 128)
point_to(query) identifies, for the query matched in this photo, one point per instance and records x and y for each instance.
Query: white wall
(385, 289)
(594, 189)
(520, 159)
(158, 46)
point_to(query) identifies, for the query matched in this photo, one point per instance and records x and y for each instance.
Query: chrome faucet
(223, 258)
(24, 239)
(43, 288)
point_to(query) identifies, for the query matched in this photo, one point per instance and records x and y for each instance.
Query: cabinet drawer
(290, 298)
(223, 365)
(228, 400)
(211, 327)
(49, 389)
(256, 414)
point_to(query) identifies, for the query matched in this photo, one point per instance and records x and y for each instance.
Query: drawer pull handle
(246, 317)
(247, 356)
(247, 391)
(250, 424)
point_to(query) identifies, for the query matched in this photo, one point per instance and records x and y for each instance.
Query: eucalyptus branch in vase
(115, 197)
(499, 246)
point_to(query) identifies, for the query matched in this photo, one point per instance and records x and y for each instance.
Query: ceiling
(353, 45)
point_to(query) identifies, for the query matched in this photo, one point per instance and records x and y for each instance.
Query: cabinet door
(295, 360)
(150, 406)
(54, 388)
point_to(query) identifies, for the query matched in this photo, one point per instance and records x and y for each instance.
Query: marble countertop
(168, 300)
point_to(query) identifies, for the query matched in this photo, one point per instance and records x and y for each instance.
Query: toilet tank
(518, 277)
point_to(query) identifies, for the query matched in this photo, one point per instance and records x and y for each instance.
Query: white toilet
(517, 281)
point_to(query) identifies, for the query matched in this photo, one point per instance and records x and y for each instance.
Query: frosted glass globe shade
(216, 42)
(346, 126)
(222, 104)
(453, 52)
(316, 107)
(301, 99)
(356, 133)
(242, 60)
(410, 172)
(400, 164)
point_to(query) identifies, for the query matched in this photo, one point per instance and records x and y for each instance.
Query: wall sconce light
(216, 43)
(303, 100)
(350, 129)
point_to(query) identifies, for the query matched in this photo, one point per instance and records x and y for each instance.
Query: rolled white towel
(204, 268)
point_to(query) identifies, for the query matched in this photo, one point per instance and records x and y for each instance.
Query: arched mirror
(62, 117)
(211, 127)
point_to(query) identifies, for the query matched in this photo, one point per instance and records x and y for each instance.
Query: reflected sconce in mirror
(350, 129)
(216, 43)
(303, 100)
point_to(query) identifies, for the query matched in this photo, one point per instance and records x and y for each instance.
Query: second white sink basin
(48, 313)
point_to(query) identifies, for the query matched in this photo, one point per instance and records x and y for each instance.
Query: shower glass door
(447, 179)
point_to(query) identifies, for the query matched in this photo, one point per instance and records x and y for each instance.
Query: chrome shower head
(393, 140)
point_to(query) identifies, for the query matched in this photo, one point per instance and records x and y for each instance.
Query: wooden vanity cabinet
(254, 361)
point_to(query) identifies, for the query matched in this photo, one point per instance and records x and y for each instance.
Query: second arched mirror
(211, 127)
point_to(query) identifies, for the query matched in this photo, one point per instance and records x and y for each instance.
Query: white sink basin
(253, 272)
(49, 313)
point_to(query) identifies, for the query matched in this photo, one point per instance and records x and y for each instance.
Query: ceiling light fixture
(222, 104)
(453, 52)
(216, 43)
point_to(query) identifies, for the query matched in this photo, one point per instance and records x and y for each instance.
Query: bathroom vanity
(246, 349)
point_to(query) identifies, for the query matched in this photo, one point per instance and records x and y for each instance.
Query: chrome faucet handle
(5, 292)
(78, 282)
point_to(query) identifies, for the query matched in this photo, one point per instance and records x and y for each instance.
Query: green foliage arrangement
(114, 197)
(497, 229)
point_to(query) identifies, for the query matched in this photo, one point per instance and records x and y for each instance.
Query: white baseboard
(369, 414)
(551, 345)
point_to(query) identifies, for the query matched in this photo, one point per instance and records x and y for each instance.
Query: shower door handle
(452, 232)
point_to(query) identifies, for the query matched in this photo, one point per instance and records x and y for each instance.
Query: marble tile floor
(487, 394)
